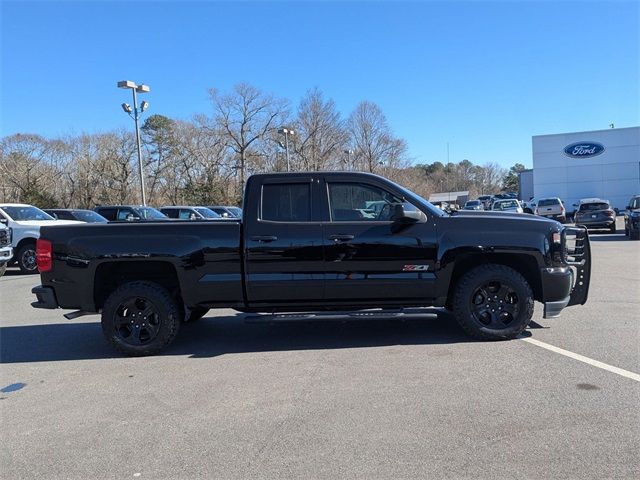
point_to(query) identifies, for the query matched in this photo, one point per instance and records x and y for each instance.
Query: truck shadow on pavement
(215, 336)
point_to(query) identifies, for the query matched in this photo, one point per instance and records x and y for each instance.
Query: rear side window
(286, 202)
(547, 202)
(108, 213)
(170, 212)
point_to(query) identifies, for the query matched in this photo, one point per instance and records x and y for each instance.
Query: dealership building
(600, 163)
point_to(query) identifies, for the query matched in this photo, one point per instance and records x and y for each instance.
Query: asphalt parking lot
(381, 399)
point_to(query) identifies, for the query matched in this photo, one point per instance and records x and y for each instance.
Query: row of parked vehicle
(20, 224)
(593, 213)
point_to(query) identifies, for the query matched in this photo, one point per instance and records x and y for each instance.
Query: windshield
(149, 213)
(594, 206)
(28, 212)
(237, 211)
(89, 216)
(206, 213)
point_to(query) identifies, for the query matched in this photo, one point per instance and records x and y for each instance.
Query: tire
(503, 317)
(626, 230)
(3, 269)
(196, 314)
(612, 228)
(26, 259)
(140, 318)
(634, 234)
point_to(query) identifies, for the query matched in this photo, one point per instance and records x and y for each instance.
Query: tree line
(206, 159)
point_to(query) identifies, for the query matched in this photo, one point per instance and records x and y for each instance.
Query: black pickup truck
(314, 242)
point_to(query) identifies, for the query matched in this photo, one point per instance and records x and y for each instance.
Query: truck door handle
(264, 238)
(341, 238)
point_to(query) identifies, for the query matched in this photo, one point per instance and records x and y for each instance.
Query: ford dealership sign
(583, 149)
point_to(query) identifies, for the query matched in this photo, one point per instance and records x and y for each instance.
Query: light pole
(349, 153)
(136, 114)
(287, 131)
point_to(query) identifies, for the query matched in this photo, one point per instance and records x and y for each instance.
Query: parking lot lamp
(287, 131)
(135, 114)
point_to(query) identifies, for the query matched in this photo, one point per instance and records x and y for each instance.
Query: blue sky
(483, 76)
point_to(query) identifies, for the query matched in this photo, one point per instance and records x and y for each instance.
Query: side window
(355, 202)
(286, 202)
(185, 214)
(123, 213)
(108, 213)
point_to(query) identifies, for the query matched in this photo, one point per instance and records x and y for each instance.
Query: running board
(402, 314)
(77, 313)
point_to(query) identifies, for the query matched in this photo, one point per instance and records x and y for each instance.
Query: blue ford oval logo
(583, 149)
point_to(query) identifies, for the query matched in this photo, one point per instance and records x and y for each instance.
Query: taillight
(562, 209)
(610, 213)
(44, 255)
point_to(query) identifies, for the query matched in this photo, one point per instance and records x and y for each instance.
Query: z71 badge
(414, 268)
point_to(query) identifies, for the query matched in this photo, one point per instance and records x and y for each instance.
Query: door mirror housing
(4, 221)
(407, 213)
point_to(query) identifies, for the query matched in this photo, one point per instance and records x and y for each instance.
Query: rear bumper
(597, 223)
(46, 297)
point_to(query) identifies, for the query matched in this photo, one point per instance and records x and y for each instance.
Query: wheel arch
(111, 275)
(525, 265)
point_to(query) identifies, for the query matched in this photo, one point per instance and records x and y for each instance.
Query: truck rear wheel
(493, 302)
(140, 318)
(3, 269)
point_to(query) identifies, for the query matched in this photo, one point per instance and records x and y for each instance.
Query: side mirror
(574, 204)
(4, 221)
(406, 212)
(131, 217)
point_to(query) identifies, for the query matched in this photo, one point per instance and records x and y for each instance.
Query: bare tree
(320, 133)
(246, 116)
(372, 139)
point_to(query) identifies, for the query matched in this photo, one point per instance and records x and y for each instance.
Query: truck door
(283, 242)
(369, 256)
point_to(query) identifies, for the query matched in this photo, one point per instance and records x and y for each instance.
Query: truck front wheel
(26, 258)
(493, 302)
(140, 318)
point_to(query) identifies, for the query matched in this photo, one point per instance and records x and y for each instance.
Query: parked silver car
(507, 205)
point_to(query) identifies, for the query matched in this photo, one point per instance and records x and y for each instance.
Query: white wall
(613, 175)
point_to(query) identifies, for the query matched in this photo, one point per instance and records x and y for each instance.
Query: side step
(396, 314)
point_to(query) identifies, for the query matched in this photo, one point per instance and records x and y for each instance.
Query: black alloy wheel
(495, 305)
(136, 321)
(493, 302)
(140, 318)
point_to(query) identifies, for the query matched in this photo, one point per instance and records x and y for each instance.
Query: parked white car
(6, 252)
(507, 205)
(25, 222)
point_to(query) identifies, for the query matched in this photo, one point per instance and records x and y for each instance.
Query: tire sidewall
(479, 277)
(168, 314)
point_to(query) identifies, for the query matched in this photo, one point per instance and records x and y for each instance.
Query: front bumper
(568, 285)
(46, 297)
(5, 254)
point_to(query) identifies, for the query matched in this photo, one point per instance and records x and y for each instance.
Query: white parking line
(582, 358)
